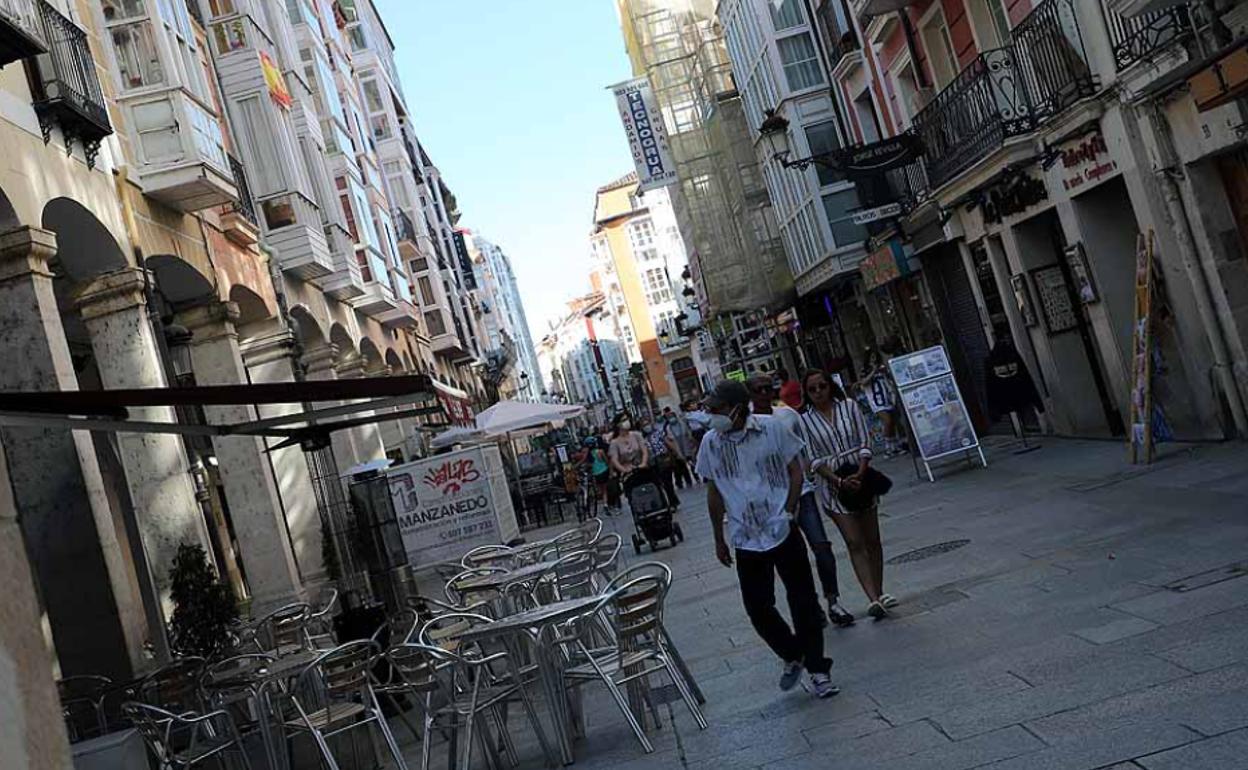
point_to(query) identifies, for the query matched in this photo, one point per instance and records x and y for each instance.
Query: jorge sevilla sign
(444, 507)
(647, 138)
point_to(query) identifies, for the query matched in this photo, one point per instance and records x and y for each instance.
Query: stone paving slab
(1029, 648)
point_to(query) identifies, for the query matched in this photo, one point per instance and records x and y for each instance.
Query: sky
(510, 100)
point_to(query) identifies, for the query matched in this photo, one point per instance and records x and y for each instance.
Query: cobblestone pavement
(1097, 617)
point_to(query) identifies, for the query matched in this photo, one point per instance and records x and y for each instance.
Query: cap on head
(727, 394)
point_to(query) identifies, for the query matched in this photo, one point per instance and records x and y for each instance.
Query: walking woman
(628, 453)
(839, 443)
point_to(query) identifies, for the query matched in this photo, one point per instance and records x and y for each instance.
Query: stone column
(367, 438)
(319, 365)
(113, 307)
(85, 577)
(270, 358)
(255, 508)
(32, 733)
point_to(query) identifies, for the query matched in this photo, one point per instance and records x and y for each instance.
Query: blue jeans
(811, 522)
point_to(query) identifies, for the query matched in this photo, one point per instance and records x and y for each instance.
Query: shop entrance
(964, 336)
(1078, 379)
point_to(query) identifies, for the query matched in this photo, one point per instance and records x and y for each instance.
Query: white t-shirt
(792, 420)
(750, 469)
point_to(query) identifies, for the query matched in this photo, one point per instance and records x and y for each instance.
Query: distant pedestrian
(682, 435)
(629, 454)
(662, 460)
(809, 517)
(754, 476)
(839, 446)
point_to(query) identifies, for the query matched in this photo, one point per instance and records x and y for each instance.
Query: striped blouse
(843, 438)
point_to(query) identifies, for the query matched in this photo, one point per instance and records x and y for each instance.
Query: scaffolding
(721, 203)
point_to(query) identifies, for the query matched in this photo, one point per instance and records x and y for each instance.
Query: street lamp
(775, 134)
(524, 383)
(178, 341)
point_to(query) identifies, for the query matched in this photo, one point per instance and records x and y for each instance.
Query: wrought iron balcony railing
(69, 90)
(21, 32)
(244, 206)
(1006, 92)
(1135, 39)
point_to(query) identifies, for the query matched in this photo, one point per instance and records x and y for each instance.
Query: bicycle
(587, 496)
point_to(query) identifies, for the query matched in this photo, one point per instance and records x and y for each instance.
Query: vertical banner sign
(933, 404)
(1141, 430)
(647, 138)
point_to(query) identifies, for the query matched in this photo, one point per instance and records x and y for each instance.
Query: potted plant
(204, 607)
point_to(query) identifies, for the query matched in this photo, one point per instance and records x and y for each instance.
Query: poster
(1054, 296)
(647, 137)
(449, 504)
(929, 393)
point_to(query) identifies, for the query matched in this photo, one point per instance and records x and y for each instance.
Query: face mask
(626, 425)
(720, 423)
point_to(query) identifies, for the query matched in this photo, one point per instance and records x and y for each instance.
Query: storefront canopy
(108, 410)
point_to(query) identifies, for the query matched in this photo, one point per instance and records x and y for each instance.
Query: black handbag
(874, 485)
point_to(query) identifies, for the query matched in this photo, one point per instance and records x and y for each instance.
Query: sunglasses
(819, 386)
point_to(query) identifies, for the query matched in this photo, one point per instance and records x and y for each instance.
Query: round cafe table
(258, 682)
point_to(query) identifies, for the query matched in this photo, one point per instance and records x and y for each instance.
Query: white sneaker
(888, 601)
(789, 678)
(823, 686)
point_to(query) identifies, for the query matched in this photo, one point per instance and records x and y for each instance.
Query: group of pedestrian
(633, 453)
(777, 461)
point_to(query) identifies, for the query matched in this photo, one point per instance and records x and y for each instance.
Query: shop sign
(868, 216)
(883, 265)
(929, 393)
(877, 157)
(274, 80)
(647, 138)
(1012, 197)
(1086, 162)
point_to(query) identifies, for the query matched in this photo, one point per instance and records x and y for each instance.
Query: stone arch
(340, 338)
(394, 362)
(8, 215)
(84, 246)
(307, 328)
(371, 355)
(178, 284)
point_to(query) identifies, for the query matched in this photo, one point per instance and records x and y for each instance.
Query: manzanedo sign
(444, 507)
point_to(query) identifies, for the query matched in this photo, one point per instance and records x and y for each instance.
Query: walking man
(763, 398)
(754, 482)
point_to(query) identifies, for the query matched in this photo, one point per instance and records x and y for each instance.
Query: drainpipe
(1177, 220)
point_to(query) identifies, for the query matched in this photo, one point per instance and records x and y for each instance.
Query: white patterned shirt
(750, 468)
(845, 438)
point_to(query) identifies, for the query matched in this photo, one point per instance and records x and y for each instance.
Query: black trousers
(663, 475)
(756, 571)
(681, 473)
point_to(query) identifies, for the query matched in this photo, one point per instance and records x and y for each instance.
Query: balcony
(449, 345)
(180, 152)
(21, 33)
(404, 314)
(68, 91)
(346, 282)
(1006, 92)
(294, 233)
(1136, 37)
(238, 222)
(378, 295)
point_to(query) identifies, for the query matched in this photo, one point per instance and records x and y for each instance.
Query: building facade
(583, 361)
(737, 260)
(637, 260)
(504, 327)
(213, 193)
(1056, 135)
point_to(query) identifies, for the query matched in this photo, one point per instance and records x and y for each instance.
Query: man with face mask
(754, 478)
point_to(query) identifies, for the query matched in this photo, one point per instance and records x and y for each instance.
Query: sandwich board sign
(939, 422)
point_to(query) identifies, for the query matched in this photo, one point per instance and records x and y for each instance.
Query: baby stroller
(652, 519)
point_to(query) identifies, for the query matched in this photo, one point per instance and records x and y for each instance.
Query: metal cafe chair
(184, 740)
(233, 685)
(662, 572)
(459, 594)
(82, 705)
(569, 577)
(285, 629)
(174, 687)
(334, 695)
(634, 612)
(606, 552)
(320, 626)
(460, 695)
(488, 556)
